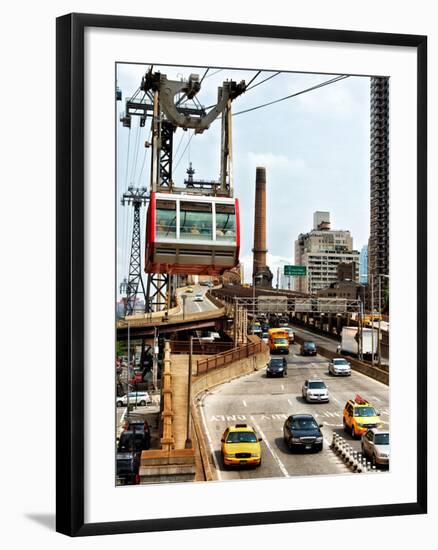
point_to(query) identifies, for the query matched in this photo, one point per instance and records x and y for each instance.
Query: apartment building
(321, 251)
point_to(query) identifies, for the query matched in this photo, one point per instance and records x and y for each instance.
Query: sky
(315, 148)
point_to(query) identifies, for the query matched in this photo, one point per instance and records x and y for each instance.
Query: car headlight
(295, 440)
(254, 454)
(230, 455)
(360, 424)
(319, 440)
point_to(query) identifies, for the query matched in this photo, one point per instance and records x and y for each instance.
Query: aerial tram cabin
(196, 235)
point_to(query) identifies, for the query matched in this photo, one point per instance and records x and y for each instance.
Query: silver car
(315, 390)
(375, 446)
(141, 398)
(339, 367)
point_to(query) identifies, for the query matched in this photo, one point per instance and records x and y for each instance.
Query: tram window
(225, 222)
(166, 219)
(196, 221)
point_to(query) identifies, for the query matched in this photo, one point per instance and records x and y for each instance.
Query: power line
(185, 149)
(204, 75)
(212, 74)
(252, 79)
(320, 85)
(261, 82)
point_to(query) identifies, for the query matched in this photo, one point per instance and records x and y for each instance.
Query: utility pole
(188, 443)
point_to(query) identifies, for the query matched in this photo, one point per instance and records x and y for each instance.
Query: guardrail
(201, 348)
(227, 357)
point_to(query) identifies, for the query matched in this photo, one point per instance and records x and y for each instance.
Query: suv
(315, 390)
(375, 445)
(359, 416)
(127, 466)
(308, 348)
(133, 441)
(140, 426)
(277, 366)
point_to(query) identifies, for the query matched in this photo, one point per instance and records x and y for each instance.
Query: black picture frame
(70, 272)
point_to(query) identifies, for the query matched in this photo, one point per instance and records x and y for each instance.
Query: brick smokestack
(261, 272)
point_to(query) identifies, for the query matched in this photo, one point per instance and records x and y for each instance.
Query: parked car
(315, 390)
(339, 366)
(308, 348)
(133, 442)
(127, 467)
(140, 426)
(277, 366)
(301, 431)
(375, 446)
(139, 398)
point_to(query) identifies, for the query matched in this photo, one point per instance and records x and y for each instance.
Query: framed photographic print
(241, 265)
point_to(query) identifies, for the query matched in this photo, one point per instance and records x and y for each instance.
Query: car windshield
(281, 341)
(317, 385)
(365, 411)
(276, 362)
(340, 362)
(381, 439)
(304, 424)
(310, 345)
(241, 437)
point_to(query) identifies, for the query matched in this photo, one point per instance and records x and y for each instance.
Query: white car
(141, 398)
(199, 298)
(315, 390)
(339, 367)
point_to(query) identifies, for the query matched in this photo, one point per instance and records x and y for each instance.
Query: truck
(350, 339)
(278, 340)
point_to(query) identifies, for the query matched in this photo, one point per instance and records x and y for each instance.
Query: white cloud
(275, 161)
(333, 100)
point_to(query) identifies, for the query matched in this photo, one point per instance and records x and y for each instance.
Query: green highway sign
(295, 270)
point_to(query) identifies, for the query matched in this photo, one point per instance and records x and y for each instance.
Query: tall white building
(321, 250)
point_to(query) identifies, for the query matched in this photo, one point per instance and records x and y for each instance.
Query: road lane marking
(213, 454)
(276, 458)
(244, 403)
(376, 398)
(290, 402)
(282, 387)
(336, 400)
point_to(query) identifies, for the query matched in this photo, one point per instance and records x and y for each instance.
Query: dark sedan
(308, 348)
(301, 431)
(277, 366)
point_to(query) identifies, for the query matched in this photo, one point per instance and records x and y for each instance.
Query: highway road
(194, 306)
(265, 403)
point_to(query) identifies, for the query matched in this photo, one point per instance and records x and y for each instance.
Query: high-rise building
(363, 265)
(378, 249)
(321, 251)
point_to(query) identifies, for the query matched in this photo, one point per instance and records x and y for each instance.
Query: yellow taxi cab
(241, 446)
(360, 416)
(189, 289)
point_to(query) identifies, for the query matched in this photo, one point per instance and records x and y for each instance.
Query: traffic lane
(264, 404)
(267, 402)
(327, 343)
(341, 389)
(191, 306)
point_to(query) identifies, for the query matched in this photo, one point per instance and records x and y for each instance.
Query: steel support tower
(137, 198)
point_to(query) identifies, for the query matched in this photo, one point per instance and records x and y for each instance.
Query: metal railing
(201, 347)
(225, 358)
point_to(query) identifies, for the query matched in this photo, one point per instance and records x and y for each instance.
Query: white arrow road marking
(275, 456)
